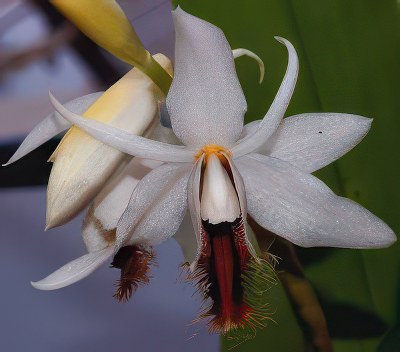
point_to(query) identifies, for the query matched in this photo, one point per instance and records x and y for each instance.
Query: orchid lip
(229, 279)
(134, 263)
(225, 254)
(218, 268)
(220, 265)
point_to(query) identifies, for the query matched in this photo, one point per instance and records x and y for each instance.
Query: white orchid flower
(87, 172)
(224, 171)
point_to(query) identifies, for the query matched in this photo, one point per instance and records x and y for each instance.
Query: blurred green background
(349, 62)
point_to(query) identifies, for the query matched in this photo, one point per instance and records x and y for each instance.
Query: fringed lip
(226, 259)
(222, 260)
(134, 263)
(233, 283)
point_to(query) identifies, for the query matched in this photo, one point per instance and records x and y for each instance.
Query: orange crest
(212, 149)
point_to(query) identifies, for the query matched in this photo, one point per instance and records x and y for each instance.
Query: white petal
(52, 125)
(99, 225)
(312, 141)
(74, 271)
(124, 141)
(156, 208)
(205, 101)
(219, 201)
(299, 207)
(244, 52)
(277, 109)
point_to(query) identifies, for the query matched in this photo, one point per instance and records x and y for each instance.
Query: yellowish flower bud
(82, 164)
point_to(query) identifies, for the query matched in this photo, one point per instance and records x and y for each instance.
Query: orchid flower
(224, 172)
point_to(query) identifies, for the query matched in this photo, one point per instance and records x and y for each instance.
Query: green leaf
(365, 74)
(343, 318)
(391, 341)
(275, 334)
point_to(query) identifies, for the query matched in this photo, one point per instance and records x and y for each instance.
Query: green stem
(158, 75)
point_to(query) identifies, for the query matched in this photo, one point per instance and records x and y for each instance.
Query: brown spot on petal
(107, 235)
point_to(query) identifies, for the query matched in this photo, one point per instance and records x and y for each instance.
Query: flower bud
(82, 164)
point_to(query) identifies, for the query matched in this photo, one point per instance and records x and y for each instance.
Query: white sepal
(205, 102)
(277, 109)
(313, 215)
(74, 271)
(52, 125)
(124, 141)
(312, 141)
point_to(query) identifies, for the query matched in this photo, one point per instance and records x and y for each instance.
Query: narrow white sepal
(51, 126)
(74, 271)
(219, 201)
(123, 141)
(245, 52)
(277, 109)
